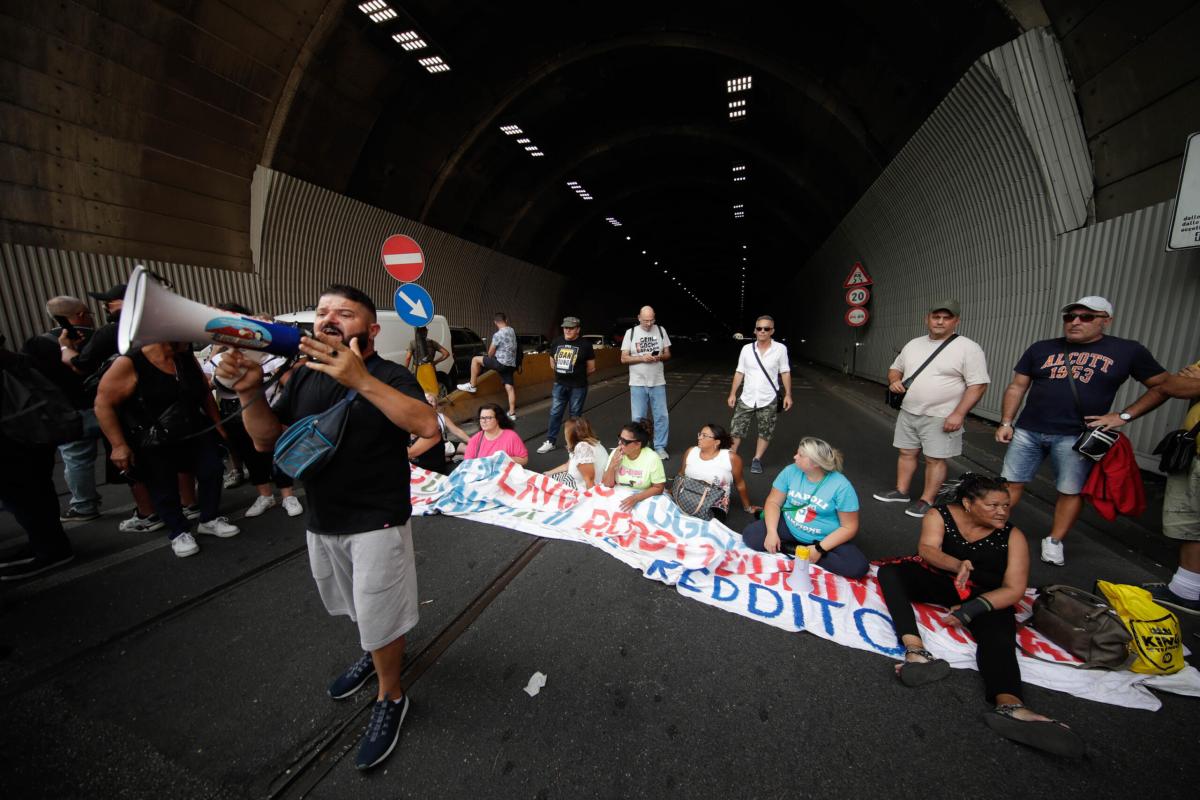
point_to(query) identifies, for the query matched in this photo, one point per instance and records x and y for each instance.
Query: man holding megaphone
(359, 535)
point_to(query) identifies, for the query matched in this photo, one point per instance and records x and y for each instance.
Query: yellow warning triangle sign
(858, 276)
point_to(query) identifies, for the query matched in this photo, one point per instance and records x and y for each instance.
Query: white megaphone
(152, 313)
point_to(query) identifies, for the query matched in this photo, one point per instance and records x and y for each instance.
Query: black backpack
(35, 411)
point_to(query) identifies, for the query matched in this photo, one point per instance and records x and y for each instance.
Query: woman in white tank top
(712, 461)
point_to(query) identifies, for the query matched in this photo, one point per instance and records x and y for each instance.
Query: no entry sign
(857, 317)
(858, 296)
(402, 258)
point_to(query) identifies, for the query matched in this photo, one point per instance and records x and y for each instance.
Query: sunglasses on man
(1083, 317)
(768, 330)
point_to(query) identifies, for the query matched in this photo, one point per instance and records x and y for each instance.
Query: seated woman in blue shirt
(818, 508)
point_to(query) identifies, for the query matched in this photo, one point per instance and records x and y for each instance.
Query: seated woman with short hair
(496, 435)
(633, 464)
(587, 456)
(972, 560)
(819, 509)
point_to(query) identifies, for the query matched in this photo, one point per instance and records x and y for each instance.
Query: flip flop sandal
(919, 673)
(1049, 736)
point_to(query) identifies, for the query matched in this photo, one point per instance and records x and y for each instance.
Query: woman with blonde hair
(585, 451)
(819, 509)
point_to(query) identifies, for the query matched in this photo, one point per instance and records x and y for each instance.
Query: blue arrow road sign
(414, 305)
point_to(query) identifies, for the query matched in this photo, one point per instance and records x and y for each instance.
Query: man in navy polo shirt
(1052, 418)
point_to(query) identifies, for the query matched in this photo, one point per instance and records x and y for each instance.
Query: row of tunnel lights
(378, 11)
(738, 106)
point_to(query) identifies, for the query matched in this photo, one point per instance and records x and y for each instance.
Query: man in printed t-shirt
(1052, 419)
(573, 360)
(645, 347)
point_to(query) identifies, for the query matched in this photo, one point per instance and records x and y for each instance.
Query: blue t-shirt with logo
(811, 507)
(1099, 369)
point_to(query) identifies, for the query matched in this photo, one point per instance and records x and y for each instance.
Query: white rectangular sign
(1185, 224)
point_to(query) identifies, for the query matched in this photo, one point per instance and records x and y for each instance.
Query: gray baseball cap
(570, 322)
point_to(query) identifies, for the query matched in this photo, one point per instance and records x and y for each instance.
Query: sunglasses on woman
(1083, 317)
(623, 440)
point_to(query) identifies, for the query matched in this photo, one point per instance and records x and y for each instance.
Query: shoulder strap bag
(310, 443)
(778, 394)
(1093, 443)
(1084, 625)
(696, 498)
(1177, 449)
(895, 400)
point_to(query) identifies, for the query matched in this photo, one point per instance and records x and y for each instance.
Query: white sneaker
(261, 504)
(219, 527)
(1052, 552)
(547, 446)
(512, 415)
(292, 506)
(184, 545)
(466, 387)
(662, 453)
(136, 524)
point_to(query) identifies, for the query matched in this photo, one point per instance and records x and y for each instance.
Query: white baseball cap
(1092, 303)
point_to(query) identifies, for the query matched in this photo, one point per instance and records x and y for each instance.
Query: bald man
(645, 347)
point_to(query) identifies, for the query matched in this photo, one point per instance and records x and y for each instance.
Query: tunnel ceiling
(631, 101)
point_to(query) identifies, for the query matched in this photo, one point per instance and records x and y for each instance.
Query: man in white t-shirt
(645, 347)
(936, 402)
(761, 380)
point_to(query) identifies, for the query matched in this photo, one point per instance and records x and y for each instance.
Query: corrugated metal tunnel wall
(303, 237)
(978, 206)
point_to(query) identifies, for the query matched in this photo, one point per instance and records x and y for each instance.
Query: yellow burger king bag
(1157, 642)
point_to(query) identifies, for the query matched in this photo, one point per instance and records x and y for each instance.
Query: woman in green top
(635, 465)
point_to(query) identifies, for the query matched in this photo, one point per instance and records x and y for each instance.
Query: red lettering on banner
(597, 525)
(656, 539)
(503, 482)
(931, 618)
(600, 490)
(417, 480)
(1030, 642)
(858, 588)
(831, 592)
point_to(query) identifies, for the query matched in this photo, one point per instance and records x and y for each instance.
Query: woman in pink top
(496, 435)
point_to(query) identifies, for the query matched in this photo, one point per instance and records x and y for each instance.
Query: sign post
(1185, 219)
(858, 294)
(404, 260)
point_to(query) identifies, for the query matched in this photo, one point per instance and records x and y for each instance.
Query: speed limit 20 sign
(858, 296)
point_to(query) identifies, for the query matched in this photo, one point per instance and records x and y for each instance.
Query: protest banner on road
(707, 561)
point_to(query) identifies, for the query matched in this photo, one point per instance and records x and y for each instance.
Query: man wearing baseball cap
(942, 376)
(1053, 418)
(573, 360)
(103, 344)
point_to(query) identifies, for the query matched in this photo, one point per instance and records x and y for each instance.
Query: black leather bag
(1093, 443)
(895, 400)
(1177, 449)
(1084, 625)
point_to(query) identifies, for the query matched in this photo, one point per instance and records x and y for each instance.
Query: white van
(395, 335)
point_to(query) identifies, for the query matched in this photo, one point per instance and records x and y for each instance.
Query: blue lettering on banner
(556, 518)
(661, 568)
(663, 513)
(755, 591)
(862, 631)
(826, 617)
(716, 595)
(685, 579)
(798, 611)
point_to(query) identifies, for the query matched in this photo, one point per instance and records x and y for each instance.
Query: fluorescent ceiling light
(531, 147)
(410, 40)
(538, 154)
(737, 103)
(523, 140)
(510, 130)
(737, 206)
(739, 167)
(738, 84)
(741, 112)
(434, 64)
(737, 178)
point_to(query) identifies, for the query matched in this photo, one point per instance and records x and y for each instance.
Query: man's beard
(333, 330)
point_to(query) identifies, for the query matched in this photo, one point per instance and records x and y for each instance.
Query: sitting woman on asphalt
(973, 561)
(496, 435)
(819, 509)
(635, 465)
(713, 462)
(431, 452)
(585, 451)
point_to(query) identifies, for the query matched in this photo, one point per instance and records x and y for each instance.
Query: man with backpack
(941, 377)
(645, 348)
(359, 533)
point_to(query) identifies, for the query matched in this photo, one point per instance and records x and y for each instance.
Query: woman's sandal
(1050, 736)
(919, 673)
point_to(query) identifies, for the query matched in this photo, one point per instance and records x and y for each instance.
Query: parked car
(597, 340)
(465, 345)
(533, 342)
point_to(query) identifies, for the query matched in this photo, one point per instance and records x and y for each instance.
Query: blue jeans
(1028, 449)
(563, 397)
(650, 402)
(79, 461)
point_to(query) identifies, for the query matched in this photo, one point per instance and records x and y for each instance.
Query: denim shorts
(1027, 451)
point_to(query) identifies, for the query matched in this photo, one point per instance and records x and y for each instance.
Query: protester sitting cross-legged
(972, 560)
(359, 537)
(633, 464)
(713, 461)
(587, 456)
(496, 435)
(819, 508)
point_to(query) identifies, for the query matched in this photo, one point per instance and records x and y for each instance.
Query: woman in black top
(973, 561)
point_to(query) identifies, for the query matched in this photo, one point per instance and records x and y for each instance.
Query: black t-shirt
(98, 349)
(569, 359)
(365, 486)
(1099, 369)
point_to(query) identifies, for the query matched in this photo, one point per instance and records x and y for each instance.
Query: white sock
(1186, 584)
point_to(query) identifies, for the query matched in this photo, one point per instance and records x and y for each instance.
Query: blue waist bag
(310, 443)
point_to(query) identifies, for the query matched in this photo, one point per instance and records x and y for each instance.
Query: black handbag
(1093, 443)
(778, 394)
(1177, 449)
(895, 400)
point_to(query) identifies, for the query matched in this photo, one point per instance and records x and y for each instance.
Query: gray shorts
(919, 432)
(1181, 506)
(370, 577)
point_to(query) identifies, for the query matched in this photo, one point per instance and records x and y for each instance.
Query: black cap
(117, 292)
